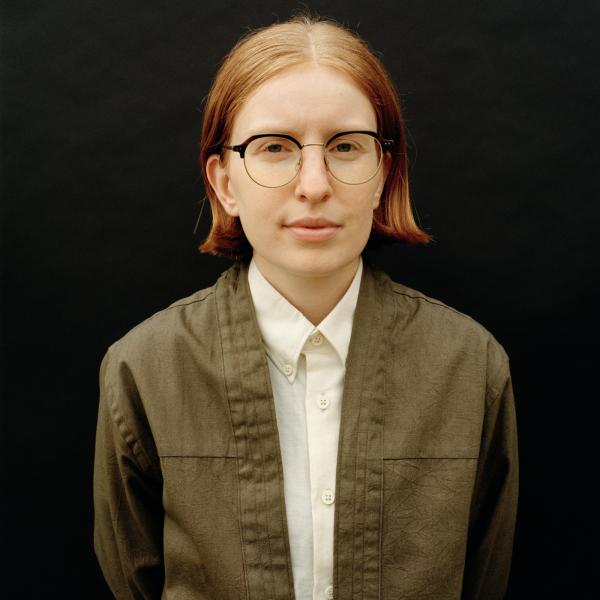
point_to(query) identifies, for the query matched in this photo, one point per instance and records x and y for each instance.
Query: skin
(310, 102)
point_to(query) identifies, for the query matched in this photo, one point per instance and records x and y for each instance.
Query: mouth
(313, 230)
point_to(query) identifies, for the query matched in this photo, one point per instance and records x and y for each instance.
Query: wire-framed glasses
(274, 159)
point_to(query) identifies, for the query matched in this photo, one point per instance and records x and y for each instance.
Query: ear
(218, 178)
(387, 163)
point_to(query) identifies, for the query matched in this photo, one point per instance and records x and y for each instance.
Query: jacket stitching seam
(124, 431)
(434, 458)
(235, 437)
(177, 304)
(195, 456)
(433, 302)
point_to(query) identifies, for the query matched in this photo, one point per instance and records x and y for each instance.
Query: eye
(344, 147)
(272, 145)
(348, 145)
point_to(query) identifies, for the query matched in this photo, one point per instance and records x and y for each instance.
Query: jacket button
(328, 497)
(288, 369)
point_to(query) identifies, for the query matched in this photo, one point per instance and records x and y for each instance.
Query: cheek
(258, 214)
(365, 204)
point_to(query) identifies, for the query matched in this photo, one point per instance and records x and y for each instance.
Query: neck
(314, 296)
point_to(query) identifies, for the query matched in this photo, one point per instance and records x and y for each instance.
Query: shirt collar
(284, 329)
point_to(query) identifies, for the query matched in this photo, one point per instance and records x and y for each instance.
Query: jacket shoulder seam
(177, 304)
(186, 302)
(430, 301)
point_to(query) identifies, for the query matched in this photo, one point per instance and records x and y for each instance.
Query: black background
(101, 106)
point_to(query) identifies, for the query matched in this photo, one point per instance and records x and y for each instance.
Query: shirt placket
(324, 377)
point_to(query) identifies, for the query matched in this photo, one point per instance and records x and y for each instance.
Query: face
(315, 225)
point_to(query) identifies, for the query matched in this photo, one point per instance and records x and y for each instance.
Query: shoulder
(162, 334)
(162, 321)
(432, 313)
(415, 304)
(444, 331)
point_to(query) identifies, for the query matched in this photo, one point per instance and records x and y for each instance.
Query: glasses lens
(354, 157)
(272, 161)
(351, 158)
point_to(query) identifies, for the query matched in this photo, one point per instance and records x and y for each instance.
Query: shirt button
(323, 402)
(328, 497)
(288, 369)
(329, 592)
(316, 340)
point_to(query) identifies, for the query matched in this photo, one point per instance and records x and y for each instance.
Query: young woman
(305, 428)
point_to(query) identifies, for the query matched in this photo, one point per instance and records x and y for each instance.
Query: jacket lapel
(263, 523)
(357, 541)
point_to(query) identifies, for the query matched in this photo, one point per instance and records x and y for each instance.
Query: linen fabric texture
(188, 479)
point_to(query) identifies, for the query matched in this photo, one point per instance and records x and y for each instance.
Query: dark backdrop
(101, 104)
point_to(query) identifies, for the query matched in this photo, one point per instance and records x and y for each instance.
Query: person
(306, 427)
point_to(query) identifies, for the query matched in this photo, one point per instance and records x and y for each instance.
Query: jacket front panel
(188, 478)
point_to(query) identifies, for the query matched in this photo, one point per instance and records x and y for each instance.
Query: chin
(319, 264)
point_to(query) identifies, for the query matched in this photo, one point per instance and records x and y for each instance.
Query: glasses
(274, 159)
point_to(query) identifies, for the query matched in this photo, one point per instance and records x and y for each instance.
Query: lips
(311, 229)
(312, 222)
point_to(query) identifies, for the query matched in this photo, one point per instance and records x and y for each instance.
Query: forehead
(305, 99)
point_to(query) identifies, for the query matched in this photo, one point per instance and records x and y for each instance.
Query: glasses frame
(386, 146)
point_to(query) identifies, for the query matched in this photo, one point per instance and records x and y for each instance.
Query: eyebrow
(278, 128)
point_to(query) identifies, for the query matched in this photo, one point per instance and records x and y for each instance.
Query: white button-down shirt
(307, 365)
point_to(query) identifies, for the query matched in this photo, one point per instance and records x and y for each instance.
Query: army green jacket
(188, 482)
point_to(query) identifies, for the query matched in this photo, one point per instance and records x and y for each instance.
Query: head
(311, 79)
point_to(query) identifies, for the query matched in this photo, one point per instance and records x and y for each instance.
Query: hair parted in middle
(266, 52)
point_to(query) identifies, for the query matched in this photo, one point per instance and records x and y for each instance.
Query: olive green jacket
(188, 483)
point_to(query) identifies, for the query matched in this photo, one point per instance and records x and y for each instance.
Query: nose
(313, 182)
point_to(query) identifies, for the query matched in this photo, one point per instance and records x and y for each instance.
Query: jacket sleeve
(494, 502)
(128, 512)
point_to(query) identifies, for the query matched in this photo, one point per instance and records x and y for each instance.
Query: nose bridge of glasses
(307, 145)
